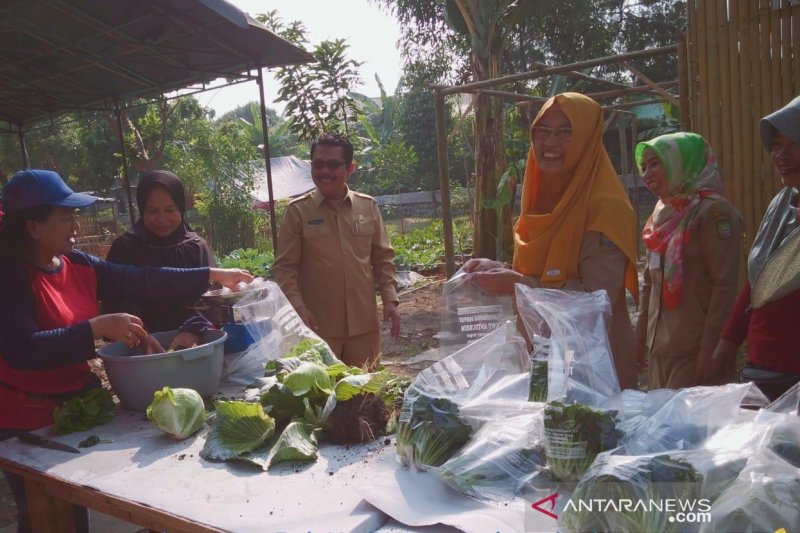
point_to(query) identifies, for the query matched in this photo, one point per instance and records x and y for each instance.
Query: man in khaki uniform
(332, 251)
(678, 342)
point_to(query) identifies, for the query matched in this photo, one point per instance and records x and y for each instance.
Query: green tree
(317, 95)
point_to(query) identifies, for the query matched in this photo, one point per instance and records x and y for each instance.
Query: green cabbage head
(177, 412)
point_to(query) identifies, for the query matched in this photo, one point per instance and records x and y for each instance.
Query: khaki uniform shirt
(330, 257)
(601, 265)
(710, 276)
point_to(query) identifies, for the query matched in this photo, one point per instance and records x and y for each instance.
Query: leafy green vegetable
(239, 427)
(256, 262)
(485, 470)
(430, 430)
(350, 386)
(538, 390)
(298, 442)
(82, 413)
(280, 403)
(177, 412)
(641, 479)
(308, 377)
(575, 434)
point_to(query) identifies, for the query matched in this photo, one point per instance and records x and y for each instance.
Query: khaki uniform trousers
(358, 350)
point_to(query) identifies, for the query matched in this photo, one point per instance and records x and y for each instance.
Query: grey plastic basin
(136, 377)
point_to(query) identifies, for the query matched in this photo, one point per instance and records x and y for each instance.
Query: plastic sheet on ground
(469, 313)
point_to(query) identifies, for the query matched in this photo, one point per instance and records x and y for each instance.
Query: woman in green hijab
(694, 246)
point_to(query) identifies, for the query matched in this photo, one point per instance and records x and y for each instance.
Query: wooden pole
(561, 69)
(703, 124)
(725, 148)
(786, 54)
(683, 82)
(692, 67)
(650, 83)
(623, 160)
(795, 48)
(23, 146)
(267, 163)
(126, 182)
(635, 174)
(444, 182)
(746, 121)
(714, 112)
(765, 171)
(734, 168)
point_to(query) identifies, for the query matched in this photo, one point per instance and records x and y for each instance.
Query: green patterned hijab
(691, 170)
(688, 163)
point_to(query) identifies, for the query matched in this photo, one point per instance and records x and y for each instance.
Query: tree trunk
(490, 163)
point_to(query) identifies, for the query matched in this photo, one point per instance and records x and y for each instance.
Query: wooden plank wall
(744, 62)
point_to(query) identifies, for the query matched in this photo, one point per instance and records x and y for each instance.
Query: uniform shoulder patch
(300, 198)
(723, 225)
(362, 195)
(607, 243)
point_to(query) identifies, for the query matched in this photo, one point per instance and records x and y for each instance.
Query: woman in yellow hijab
(577, 229)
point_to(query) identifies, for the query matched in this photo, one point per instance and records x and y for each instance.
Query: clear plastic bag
(501, 460)
(687, 418)
(579, 364)
(469, 313)
(449, 400)
(276, 328)
(765, 496)
(788, 402)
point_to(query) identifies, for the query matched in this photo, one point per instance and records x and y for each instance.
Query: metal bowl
(228, 298)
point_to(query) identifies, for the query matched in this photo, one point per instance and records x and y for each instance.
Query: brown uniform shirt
(330, 257)
(601, 265)
(672, 338)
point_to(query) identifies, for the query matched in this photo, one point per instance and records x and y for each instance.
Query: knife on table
(38, 440)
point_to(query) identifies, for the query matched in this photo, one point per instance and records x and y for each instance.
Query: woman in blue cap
(767, 310)
(49, 318)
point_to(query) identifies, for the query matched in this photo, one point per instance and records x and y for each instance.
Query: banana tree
(488, 23)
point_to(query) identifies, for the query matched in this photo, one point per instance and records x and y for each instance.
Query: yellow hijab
(592, 199)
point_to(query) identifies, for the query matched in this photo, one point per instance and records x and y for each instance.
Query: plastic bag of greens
(579, 363)
(469, 313)
(501, 460)
(631, 493)
(453, 397)
(687, 419)
(278, 332)
(574, 434)
(764, 497)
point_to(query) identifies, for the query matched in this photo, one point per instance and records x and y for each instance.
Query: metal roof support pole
(444, 182)
(26, 160)
(265, 129)
(126, 182)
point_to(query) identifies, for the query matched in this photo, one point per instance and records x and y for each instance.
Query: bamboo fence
(743, 58)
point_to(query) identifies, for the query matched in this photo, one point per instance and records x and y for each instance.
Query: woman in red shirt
(49, 315)
(767, 310)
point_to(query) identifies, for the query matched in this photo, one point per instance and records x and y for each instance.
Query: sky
(370, 31)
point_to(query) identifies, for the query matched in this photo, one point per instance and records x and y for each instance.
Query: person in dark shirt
(49, 314)
(162, 238)
(768, 307)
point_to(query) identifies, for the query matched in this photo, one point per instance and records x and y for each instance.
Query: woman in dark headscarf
(767, 310)
(162, 237)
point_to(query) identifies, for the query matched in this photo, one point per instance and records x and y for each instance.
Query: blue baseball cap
(31, 187)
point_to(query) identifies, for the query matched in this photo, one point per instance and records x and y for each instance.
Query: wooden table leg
(49, 514)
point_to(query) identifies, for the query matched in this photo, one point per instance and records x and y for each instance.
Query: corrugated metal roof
(66, 55)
